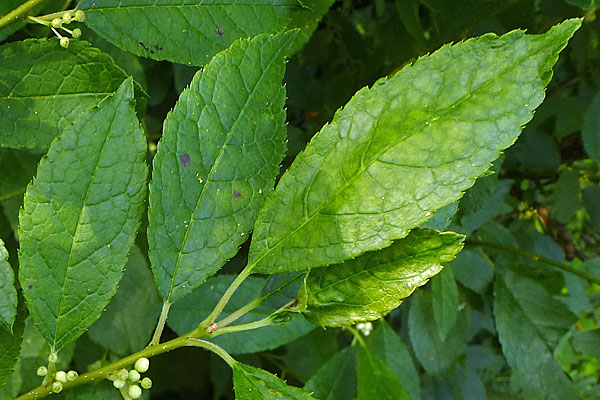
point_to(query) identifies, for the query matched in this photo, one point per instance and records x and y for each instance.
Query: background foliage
(492, 325)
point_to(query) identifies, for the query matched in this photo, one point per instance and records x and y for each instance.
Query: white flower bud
(118, 383)
(42, 371)
(72, 375)
(142, 365)
(61, 376)
(135, 392)
(57, 387)
(52, 357)
(76, 33)
(134, 376)
(67, 18)
(146, 383)
(79, 16)
(64, 42)
(56, 23)
(123, 374)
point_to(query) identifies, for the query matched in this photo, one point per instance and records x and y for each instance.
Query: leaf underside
(216, 163)
(404, 148)
(80, 217)
(44, 88)
(375, 283)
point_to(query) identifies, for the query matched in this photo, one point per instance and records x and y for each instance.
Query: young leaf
(526, 350)
(336, 379)
(80, 217)
(44, 88)
(444, 295)
(8, 293)
(435, 356)
(376, 380)
(251, 383)
(131, 316)
(387, 346)
(404, 148)
(186, 313)
(216, 162)
(371, 285)
(188, 32)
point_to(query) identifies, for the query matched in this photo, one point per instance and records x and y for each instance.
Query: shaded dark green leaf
(375, 379)
(251, 383)
(336, 379)
(444, 295)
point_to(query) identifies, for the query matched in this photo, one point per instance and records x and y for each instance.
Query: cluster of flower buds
(132, 379)
(59, 377)
(65, 18)
(365, 328)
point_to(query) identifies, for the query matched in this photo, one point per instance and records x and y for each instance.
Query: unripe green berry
(52, 357)
(76, 33)
(61, 376)
(123, 374)
(56, 23)
(67, 18)
(118, 383)
(134, 376)
(79, 16)
(146, 383)
(64, 42)
(142, 365)
(135, 392)
(42, 371)
(57, 387)
(72, 375)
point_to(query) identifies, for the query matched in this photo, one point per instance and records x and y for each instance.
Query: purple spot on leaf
(29, 286)
(185, 159)
(236, 194)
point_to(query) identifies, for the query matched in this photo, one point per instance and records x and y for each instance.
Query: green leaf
(591, 129)
(336, 379)
(444, 295)
(80, 217)
(130, 318)
(420, 131)
(591, 199)
(216, 163)
(376, 380)
(308, 353)
(588, 342)
(189, 311)
(442, 218)
(18, 168)
(526, 351)
(369, 286)
(11, 346)
(188, 32)
(251, 383)
(566, 196)
(472, 270)
(8, 293)
(387, 346)
(435, 356)
(307, 21)
(7, 6)
(482, 202)
(74, 79)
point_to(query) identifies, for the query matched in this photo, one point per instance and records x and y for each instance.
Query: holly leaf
(80, 217)
(369, 286)
(404, 148)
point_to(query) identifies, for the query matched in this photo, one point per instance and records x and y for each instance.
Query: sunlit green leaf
(251, 383)
(8, 292)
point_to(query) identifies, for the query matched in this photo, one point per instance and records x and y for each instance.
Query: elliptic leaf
(404, 148)
(566, 196)
(216, 162)
(80, 217)
(189, 311)
(591, 199)
(336, 379)
(376, 380)
(526, 351)
(131, 316)
(444, 296)
(472, 270)
(369, 286)
(251, 383)
(8, 292)
(44, 88)
(189, 31)
(591, 129)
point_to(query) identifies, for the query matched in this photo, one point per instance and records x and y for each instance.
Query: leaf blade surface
(8, 292)
(251, 383)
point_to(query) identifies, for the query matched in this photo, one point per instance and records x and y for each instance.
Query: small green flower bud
(42, 371)
(61, 376)
(135, 392)
(52, 357)
(146, 383)
(57, 387)
(79, 16)
(118, 383)
(142, 365)
(64, 42)
(123, 374)
(134, 376)
(56, 23)
(72, 375)
(76, 33)
(67, 18)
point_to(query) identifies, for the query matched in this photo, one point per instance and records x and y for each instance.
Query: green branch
(19, 13)
(534, 257)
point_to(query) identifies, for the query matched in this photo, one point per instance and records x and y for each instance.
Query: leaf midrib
(359, 173)
(214, 166)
